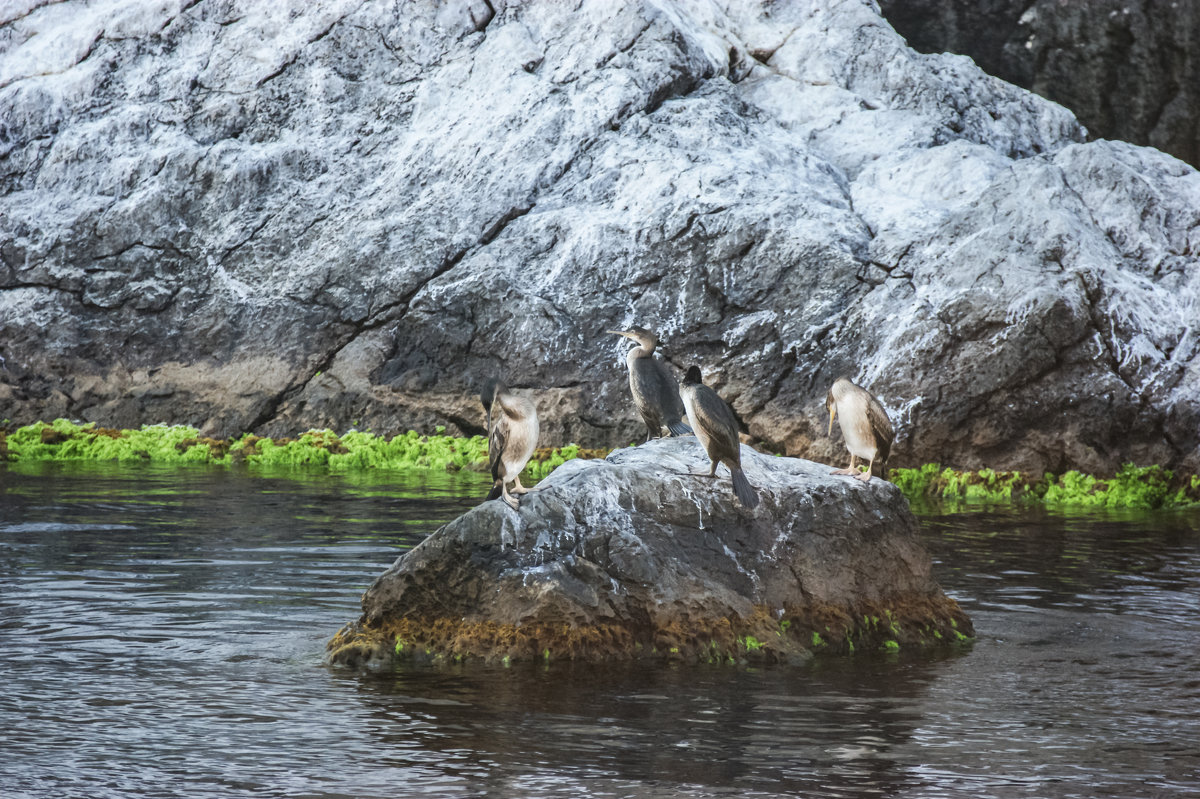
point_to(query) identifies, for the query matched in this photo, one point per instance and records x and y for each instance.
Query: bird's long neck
(636, 354)
(642, 350)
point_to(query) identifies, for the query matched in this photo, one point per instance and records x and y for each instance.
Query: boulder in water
(642, 555)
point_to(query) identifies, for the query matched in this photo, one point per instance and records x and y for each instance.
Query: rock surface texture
(1130, 69)
(254, 216)
(634, 557)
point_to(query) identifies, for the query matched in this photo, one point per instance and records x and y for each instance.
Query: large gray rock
(644, 555)
(1130, 69)
(250, 216)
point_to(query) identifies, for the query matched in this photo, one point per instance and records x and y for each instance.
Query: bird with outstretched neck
(512, 425)
(717, 430)
(655, 392)
(865, 426)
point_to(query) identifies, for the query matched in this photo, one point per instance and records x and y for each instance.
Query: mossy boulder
(641, 555)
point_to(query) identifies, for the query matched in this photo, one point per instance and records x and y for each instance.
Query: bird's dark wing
(667, 388)
(881, 426)
(673, 406)
(718, 422)
(647, 390)
(496, 441)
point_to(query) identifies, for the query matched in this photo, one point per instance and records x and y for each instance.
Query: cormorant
(865, 426)
(718, 432)
(655, 392)
(512, 436)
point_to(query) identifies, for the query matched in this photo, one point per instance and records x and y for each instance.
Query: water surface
(162, 634)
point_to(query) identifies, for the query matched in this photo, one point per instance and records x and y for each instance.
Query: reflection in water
(161, 634)
(707, 729)
(1124, 562)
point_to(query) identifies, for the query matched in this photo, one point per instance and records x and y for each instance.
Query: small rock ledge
(642, 555)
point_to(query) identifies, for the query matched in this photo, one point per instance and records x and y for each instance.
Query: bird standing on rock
(655, 392)
(865, 426)
(718, 432)
(512, 424)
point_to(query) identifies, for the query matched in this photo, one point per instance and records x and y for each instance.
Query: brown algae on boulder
(794, 638)
(640, 556)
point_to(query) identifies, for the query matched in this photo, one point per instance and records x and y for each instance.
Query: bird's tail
(742, 488)
(678, 428)
(496, 492)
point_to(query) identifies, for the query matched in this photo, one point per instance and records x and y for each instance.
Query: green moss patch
(1146, 487)
(1143, 487)
(63, 440)
(547, 459)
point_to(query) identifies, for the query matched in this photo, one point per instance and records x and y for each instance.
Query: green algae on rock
(1133, 486)
(1144, 487)
(66, 440)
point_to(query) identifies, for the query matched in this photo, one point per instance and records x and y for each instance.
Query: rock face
(1129, 69)
(269, 217)
(635, 557)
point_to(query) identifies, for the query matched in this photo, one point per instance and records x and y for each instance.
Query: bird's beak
(832, 413)
(619, 333)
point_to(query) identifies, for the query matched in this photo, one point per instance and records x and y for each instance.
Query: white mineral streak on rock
(753, 577)
(687, 493)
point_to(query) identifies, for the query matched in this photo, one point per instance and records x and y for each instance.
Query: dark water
(162, 632)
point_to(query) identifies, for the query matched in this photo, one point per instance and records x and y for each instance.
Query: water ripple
(161, 635)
